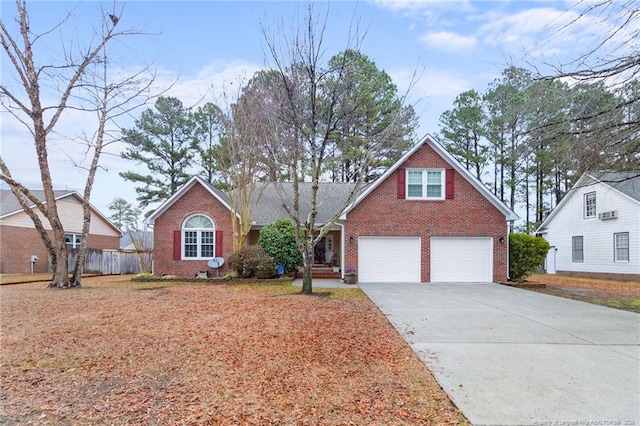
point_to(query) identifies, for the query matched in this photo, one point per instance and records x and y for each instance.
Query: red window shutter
(449, 179)
(401, 174)
(177, 245)
(218, 244)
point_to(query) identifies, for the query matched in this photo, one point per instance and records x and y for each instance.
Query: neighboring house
(144, 238)
(19, 239)
(425, 219)
(595, 229)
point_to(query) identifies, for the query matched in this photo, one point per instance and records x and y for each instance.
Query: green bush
(252, 262)
(526, 254)
(278, 239)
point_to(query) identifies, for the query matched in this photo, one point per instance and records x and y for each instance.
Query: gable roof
(219, 195)
(145, 237)
(9, 204)
(440, 150)
(626, 183)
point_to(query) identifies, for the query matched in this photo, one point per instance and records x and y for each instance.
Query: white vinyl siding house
(596, 228)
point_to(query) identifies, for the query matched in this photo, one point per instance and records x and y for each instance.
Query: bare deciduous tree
(86, 85)
(318, 100)
(614, 61)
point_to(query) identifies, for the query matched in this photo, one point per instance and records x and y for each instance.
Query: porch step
(321, 273)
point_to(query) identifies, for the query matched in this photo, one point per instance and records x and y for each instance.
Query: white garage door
(461, 259)
(388, 259)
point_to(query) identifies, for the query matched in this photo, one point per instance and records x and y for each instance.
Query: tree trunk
(60, 277)
(307, 262)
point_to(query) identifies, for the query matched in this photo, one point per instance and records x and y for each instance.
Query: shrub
(252, 262)
(526, 254)
(278, 239)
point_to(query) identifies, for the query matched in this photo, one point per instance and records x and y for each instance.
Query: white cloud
(432, 91)
(448, 41)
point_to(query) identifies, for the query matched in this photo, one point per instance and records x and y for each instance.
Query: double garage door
(398, 259)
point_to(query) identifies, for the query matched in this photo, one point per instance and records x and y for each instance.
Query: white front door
(550, 262)
(388, 259)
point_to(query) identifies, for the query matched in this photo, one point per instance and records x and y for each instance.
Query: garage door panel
(389, 259)
(461, 259)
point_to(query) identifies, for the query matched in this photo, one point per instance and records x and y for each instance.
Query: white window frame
(621, 245)
(425, 184)
(76, 240)
(575, 250)
(200, 235)
(590, 207)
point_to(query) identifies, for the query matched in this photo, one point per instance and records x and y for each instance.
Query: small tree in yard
(278, 240)
(526, 253)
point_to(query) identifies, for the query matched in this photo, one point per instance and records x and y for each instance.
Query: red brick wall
(18, 244)
(196, 200)
(469, 214)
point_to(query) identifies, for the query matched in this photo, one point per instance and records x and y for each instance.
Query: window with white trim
(73, 241)
(621, 247)
(590, 204)
(425, 184)
(577, 249)
(198, 238)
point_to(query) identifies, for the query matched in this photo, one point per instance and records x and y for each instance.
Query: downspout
(342, 246)
(509, 225)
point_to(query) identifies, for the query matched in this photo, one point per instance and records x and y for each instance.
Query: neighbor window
(621, 246)
(198, 238)
(73, 241)
(577, 249)
(427, 184)
(590, 204)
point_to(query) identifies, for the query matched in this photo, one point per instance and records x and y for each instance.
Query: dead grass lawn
(613, 293)
(117, 352)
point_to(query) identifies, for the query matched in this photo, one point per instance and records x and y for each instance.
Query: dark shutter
(449, 179)
(177, 246)
(218, 244)
(401, 174)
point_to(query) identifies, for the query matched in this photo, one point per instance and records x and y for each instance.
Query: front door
(550, 263)
(324, 251)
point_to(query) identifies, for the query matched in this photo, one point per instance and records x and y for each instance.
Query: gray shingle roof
(268, 203)
(9, 203)
(625, 182)
(145, 237)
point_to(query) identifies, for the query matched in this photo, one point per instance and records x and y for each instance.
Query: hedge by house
(526, 254)
(278, 239)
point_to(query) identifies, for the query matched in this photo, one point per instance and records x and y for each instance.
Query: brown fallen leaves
(117, 352)
(614, 293)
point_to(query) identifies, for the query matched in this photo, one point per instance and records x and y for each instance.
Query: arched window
(198, 238)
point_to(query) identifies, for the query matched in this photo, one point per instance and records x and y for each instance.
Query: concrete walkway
(508, 356)
(325, 283)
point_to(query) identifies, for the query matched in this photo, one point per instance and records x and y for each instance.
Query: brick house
(19, 240)
(426, 219)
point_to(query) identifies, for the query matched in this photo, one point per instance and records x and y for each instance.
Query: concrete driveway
(508, 356)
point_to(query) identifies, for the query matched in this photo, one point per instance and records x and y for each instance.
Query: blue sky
(208, 46)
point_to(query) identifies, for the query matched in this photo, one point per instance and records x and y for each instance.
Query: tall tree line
(530, 139)
(254, 138)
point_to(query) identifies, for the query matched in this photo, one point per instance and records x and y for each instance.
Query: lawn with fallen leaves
(613, 293)
(117, 352)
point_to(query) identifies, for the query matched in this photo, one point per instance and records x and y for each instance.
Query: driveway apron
(509, 356)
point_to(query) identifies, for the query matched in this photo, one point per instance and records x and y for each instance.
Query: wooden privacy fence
(108, 262)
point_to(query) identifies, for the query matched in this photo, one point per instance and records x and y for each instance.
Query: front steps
(321, 272)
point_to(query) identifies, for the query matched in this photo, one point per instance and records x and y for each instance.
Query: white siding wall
(70, 212)
(598, 236)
